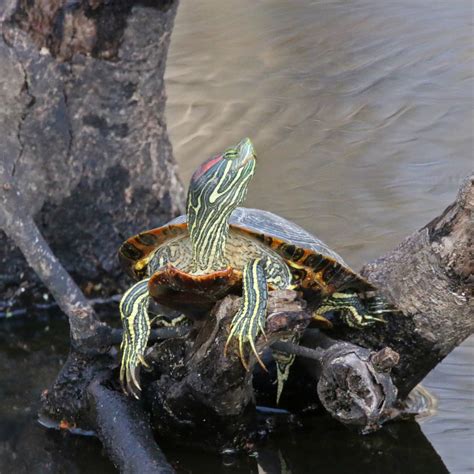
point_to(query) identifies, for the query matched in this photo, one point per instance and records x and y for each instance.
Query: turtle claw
(144, 362)
(362, 322)
(130, 372)
(322, 321)
(257, 356)
(372, 320)
(132, 359)
(249, 321)
(134, 382)
(243, 330)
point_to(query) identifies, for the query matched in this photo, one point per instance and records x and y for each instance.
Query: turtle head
(217, 187)
(225, 173)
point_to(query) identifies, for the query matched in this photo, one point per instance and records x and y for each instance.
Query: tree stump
(83, 132)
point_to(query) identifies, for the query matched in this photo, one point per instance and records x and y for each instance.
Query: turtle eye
(230, 154)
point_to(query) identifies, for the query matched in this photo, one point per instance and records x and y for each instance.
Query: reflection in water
(397, 449)
(327, 447)
(32, 353)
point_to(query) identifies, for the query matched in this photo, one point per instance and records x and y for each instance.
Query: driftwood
(193, 392)
(429, 277)
(198, 396)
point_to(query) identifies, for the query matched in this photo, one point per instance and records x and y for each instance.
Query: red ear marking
(205, 166)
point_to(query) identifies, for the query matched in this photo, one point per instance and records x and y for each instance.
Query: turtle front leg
(354, 313)
(136, 330)
(249, 321)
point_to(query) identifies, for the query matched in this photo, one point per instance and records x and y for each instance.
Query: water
(361, 112)
(362, 116)
(32, 352)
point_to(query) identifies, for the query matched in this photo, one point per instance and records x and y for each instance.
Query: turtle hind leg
(352, 310)
(249, 320)
(377, 305)
(283, 362)
(136, 330)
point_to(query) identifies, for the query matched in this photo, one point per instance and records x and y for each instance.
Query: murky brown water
(362, 115)
(361, 112)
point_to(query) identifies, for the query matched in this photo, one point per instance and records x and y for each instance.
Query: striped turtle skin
(219, 248)
(314, 265)
(260, 222)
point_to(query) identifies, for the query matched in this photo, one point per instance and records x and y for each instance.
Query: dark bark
(86, 157)
(83, 132)
(85, 162)
(20, 227)
(192, 379)
(124, 429)
(429, 277)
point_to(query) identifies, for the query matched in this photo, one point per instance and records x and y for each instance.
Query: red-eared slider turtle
(217, 248)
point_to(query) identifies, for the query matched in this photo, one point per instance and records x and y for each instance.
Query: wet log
(83, 133)
(430, 278)
(85, 162)
(125, 431)
(192, 381)
(85, 400)
(360, 376)
(197, 394)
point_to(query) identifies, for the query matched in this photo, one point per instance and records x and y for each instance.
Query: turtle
(218, 248)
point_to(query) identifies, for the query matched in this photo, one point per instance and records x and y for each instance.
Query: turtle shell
(313, 263)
